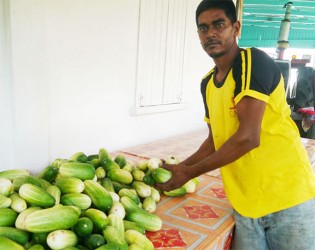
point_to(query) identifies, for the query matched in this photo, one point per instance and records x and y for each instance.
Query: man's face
(216, 32)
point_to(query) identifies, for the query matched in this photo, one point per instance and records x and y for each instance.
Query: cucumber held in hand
(161, 175)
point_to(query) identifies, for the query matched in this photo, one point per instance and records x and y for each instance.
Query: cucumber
(50, 219)
(82, 171)
(36, 195)
(155, 194)
(138, 175)
(98, 217)
(109, 164)
(44, 184)
(117, 222)
(61, 239)
(13, 173)
(149, 204)
(6, 243)
(134, 226)
(5, 202)
(79, 156)
(129, 204)
(112, 235)
(143, 190)
(143, 165)
(108, 185)
(20, 180)
(55, 192)
(70, 185)
(83, 227)
(148, 179)
(6, 187)
(129, 167)
(17, 235)
(131, 193)
(134, 237)
(18, 204)
(120, 160)
(49, 173)
(161, 175)
(81, 201)
(36, 247)
(40, 238)
(7, 217)
(20, 220)
(181, 191)
(150, 222)
(100, 196)
(103, 154)
(94, 241)
(120, 175)
(118, 209)
(100, 173)
(109, 246)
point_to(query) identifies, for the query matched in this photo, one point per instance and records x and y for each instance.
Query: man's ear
(237, 28)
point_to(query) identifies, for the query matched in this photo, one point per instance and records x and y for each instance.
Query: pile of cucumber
(84, 202)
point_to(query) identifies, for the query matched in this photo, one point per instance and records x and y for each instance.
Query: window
(162, 27)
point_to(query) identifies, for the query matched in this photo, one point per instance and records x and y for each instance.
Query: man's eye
(218, 26)
(203, 29)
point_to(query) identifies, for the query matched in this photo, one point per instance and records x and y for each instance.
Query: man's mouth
(211, 44)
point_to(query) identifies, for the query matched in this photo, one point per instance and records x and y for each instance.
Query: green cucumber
(50, 219)
(6, 243)
(7, 217)
(79, 156)
(49, 173)
(70, 185)
(36, 195)
(150, 222)
(81, 201)
(83, 227)
(94, 241)
(99, 195)
(17, 235)
(120, 175)
(99, 218)
(82, 171)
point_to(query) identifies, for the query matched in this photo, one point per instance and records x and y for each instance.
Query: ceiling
(261, 21)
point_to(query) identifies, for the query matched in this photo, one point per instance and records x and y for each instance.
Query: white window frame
(160, 61)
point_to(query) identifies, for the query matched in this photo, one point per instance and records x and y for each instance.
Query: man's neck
(224, 63)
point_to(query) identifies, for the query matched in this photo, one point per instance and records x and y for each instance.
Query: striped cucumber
(70, 185)
(50, 219)
(36, 196)
(99, 195)
(82, 171)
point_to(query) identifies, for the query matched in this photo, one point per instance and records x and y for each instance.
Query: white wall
(72, 82)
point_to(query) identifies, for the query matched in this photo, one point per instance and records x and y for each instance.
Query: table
(202, 220)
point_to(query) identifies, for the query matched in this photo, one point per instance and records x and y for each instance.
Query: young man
(265, 169)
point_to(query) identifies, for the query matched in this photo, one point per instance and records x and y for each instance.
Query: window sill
(158, 108)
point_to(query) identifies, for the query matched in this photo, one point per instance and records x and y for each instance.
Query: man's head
(226, 5)
(218, 27)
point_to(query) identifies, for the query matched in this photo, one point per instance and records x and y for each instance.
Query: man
(265, 169)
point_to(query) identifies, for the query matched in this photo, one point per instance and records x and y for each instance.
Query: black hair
(226, 5)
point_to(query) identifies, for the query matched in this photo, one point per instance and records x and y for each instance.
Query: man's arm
(250, 113)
